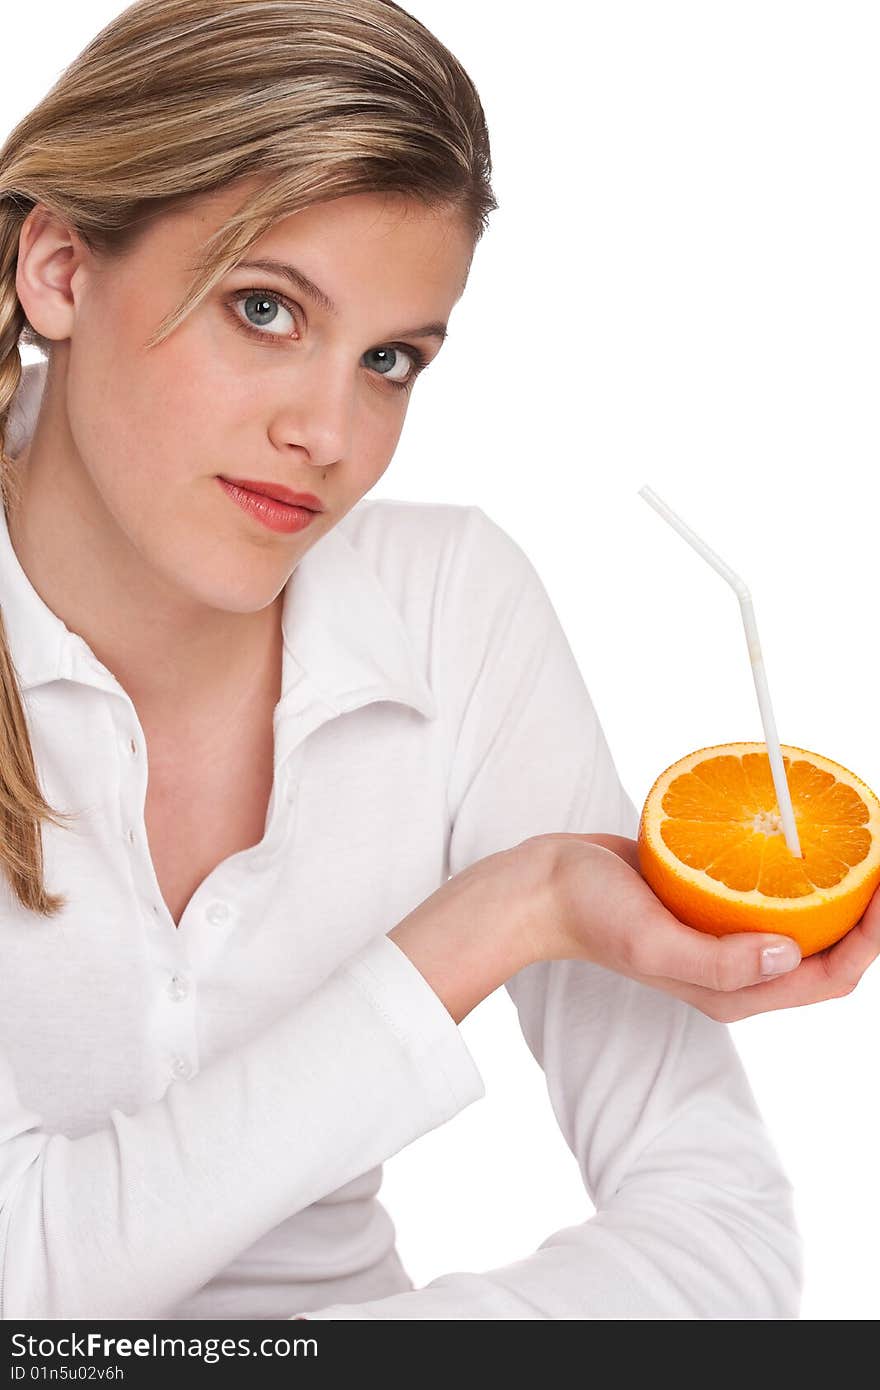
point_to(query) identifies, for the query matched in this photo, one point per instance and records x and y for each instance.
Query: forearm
(473, 934)
(369, 1057)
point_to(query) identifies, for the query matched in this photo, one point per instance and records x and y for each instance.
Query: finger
(808, 984)
(724, 964)
(786, 993)
(845, 963)
(829, 974)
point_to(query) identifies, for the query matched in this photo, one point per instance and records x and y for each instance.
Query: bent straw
(771, 738)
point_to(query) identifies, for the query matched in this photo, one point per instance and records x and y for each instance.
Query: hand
(603, 910)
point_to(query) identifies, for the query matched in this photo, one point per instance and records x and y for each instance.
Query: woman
(330, 776)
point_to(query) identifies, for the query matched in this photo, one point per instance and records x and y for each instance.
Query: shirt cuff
(417, 1015)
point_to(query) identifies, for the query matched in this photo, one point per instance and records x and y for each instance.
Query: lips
(279, 492)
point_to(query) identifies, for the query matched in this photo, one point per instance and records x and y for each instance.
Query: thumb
(720, 963)
(778, 954)
(663, 945)
(732, 962)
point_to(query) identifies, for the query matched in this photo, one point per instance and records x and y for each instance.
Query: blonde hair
(172, 100)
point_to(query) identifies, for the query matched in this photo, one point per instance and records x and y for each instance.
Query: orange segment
(712, 847)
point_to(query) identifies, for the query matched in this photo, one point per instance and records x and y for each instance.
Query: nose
(316, 412)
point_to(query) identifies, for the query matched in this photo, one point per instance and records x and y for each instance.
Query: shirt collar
(344, 639)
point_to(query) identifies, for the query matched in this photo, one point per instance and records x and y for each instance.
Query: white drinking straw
(771, 738)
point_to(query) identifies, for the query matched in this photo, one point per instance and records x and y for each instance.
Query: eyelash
(419, 360)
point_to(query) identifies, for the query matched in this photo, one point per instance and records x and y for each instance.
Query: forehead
(392, 218)
(374, 237)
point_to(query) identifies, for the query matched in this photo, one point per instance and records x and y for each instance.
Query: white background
(679, 288)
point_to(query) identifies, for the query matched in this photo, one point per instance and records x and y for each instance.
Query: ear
(50, 255)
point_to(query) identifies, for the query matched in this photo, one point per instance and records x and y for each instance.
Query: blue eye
(392, 354)
(262, 307)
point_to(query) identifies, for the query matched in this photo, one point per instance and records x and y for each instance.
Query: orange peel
(712, 848)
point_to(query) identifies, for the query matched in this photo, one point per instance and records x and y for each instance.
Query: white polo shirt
(193, 1120)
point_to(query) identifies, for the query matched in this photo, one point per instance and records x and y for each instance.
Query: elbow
(754, 1257)
(773, 1247)
(701, 1252)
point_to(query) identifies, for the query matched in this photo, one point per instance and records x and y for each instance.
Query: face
(262, 381)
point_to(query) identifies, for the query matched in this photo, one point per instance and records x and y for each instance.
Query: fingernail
(775, 960)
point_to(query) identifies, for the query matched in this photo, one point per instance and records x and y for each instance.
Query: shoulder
(454, 547)
(374, 519)
(463, 587)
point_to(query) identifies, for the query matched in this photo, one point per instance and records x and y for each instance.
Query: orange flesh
(712, 825)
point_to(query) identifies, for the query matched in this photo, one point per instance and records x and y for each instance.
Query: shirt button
(217, 913)
(178, 988)
(181, 1068)
(131, 836)
(132, 748)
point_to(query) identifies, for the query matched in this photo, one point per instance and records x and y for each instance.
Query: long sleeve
(693, 1214)
(123, 1222)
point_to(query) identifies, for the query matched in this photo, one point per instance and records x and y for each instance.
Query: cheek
(154, 418)
(382, 428)
(183, 437)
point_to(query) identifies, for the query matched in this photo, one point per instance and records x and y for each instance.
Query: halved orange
(712, 847)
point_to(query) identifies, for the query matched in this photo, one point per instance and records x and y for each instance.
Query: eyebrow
(308, 287)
